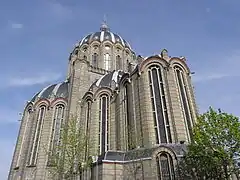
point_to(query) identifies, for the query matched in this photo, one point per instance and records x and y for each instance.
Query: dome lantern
(104, 26)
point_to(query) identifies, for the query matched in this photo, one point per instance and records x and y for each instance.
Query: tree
(216, 141)
(69, 157)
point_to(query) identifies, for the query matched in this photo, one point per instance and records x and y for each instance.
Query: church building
(138, 112)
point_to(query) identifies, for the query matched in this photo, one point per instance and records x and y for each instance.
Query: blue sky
(37, 36)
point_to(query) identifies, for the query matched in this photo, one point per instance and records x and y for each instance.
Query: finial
(104, 26)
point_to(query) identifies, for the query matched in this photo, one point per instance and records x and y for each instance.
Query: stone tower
(126, 103)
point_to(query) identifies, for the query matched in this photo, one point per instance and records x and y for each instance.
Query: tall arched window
(57, 126)
(87, 124)
(165, 168)
(37, 135)
(26, 122)
(118, 62)
(182, 89)
(159, 106)
(103, 134)
(128, 126)
(85, 57)
(94, 60)
(107, 61)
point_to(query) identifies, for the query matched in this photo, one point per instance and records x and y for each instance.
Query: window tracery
(165, 168)
(57, 126)
(103, 134)
(159, 106)
(182, 89)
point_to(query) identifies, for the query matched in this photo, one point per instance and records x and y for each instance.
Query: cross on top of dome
(104, 26)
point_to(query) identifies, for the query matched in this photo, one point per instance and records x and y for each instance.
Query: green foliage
(69, 156)
(216, 139)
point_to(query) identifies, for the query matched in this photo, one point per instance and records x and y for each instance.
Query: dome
(53, 91)
(110, 80)
(104, 35)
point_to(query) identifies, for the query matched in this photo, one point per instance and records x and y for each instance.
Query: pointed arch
(180, 62)
(150, 60)
(40, 102)
(57, 101)
(101, 90)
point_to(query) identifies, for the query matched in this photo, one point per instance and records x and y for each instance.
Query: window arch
(107, 61)
(118, 62)
(185, 104)
(159, 106)
(57, 125)
(26, 120)
(95, 47)
(107, 47)
(95, 59)
(103, 135)
(76, 52)
(37, 135)
(84, 49)
(165, 168)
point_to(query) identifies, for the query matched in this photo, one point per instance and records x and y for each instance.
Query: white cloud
(210, 77)
(16, 25)
(218, 67)
(33, 80)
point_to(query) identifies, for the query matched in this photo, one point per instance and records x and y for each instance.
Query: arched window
(107, 47)
(103, 134)
(128, 125)
(182, 89)
(76, 52)
(85, 57)
(26, 122)
(159, 106)
(107, 61)
(95, 60)
(37, 135)
(118, 62)
(165, 168)
(84, 49)
(57, 126)
(87, 124)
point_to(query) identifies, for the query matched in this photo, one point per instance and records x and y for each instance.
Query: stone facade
(136, 109)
